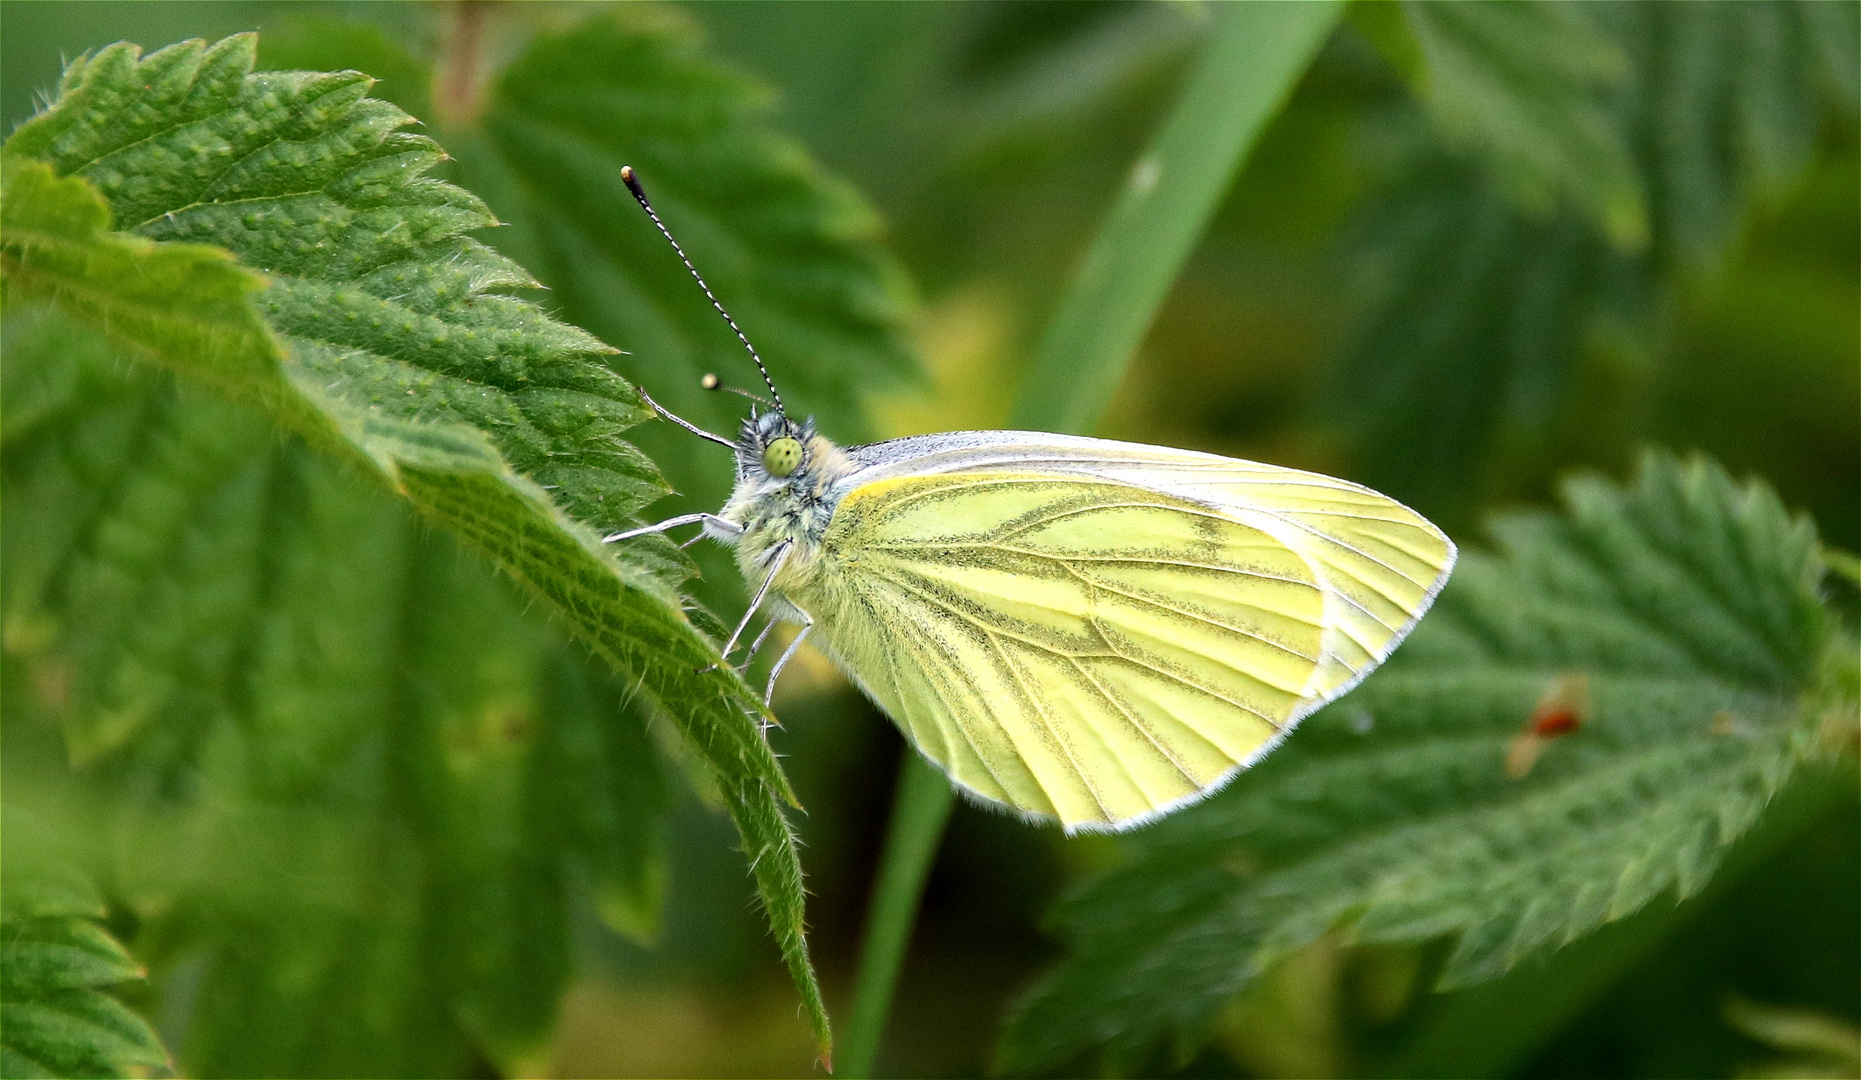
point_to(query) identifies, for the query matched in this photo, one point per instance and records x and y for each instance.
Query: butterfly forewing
(1381, 563)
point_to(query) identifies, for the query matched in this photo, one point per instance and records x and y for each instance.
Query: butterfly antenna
(681, 421)
(712, 382)
(628, 177)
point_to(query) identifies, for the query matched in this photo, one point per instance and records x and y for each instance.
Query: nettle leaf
(181, 299)
(386, 340)
(1724, 104)
(1652, 119)
(1476, 316)
(790, 250)
(57, 964)
(1523, 83)
(366, 819)
(1504, 257)
(1584, 722)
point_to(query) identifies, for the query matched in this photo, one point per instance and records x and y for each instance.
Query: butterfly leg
(710, 521)
(762, 593)
(756, 646)
(775, 672)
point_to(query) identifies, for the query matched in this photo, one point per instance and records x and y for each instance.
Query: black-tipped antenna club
(629, 178)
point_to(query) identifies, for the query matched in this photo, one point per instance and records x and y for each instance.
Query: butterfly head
(774, 451)
(773, 444)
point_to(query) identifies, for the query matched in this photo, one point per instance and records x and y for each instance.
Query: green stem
(922, 808)
(1254, 57)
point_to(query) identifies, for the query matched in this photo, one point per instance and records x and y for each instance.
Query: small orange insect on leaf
(1561, 711)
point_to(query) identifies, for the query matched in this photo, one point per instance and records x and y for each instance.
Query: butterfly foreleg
(807, 624)
(711, 521)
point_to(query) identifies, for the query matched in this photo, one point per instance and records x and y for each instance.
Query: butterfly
(1078, 629)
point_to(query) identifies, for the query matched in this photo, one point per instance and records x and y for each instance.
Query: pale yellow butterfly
(1094, 631)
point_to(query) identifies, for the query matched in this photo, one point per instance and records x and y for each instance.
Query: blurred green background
(1407, 285)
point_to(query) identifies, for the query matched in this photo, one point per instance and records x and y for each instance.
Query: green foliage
(356, 799)
(1479, 315)
(197, 604)
(1521, 82)
(792, 252)
(1723, 107)
(1490, 272)
(1247, 69)
(370, 283)
(1807, 1043)
(57, 246)
(1624, 145)
(1423, 805)
(56, 965)
(390, 345)
(1644, 117)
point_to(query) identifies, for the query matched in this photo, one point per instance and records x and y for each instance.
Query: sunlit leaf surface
(1426, 278)
(791, 251)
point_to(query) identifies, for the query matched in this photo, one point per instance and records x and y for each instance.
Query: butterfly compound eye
(782, 456)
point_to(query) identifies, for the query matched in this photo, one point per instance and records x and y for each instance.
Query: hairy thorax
(789, 514)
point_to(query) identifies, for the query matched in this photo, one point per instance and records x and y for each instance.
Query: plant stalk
(1253, 58)
(919, 813)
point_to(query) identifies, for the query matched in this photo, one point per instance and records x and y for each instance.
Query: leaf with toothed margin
(372, 324)
(1525, 83)
(789, 249)
(198, 606)
(57, 965)
(1426, 805)
(1631, 149)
